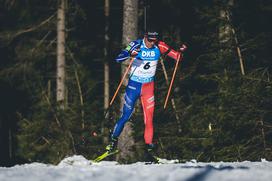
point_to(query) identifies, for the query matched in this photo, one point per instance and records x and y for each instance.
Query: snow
(78, 168)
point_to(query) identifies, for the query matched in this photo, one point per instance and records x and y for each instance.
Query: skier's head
(152, 36)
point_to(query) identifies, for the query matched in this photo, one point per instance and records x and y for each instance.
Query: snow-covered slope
(77, 168)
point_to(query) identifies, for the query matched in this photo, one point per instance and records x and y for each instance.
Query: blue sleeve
(122, 56)
(125, 54)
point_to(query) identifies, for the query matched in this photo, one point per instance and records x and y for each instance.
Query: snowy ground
(78, 168)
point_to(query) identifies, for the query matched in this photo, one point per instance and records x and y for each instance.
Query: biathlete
(146, 53)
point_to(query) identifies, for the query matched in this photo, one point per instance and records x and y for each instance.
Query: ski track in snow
(78, 168)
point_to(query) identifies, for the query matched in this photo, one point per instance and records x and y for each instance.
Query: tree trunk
(227, 33)
(106, 66)
(61, 54)
(130, 31)
(225, 28)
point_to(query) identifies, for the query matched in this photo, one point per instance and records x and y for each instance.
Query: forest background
(220, 107)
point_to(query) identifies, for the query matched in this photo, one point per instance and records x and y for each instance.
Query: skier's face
(149, 42)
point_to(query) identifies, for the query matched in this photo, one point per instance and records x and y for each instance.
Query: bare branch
(11, 36)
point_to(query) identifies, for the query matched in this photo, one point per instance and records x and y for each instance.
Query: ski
(165, 161)
(105, 155)
(158, 160)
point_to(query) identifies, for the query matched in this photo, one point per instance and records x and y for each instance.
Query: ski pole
(172, 99)
(172, 80)
(122, 80)
(145, 14)
(120, 84)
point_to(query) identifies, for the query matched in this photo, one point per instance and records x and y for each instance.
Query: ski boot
(112, 147)
(150, 155)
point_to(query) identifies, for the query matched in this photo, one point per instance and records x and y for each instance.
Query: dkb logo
(148, 53)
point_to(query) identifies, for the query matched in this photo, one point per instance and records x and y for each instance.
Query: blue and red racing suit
(141, 84)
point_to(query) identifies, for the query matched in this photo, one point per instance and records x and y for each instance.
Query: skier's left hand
(182, 48)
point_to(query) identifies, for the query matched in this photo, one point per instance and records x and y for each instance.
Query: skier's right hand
(133, 48)
(131, 51)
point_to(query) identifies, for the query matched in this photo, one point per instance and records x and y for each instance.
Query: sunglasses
(152, 40)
